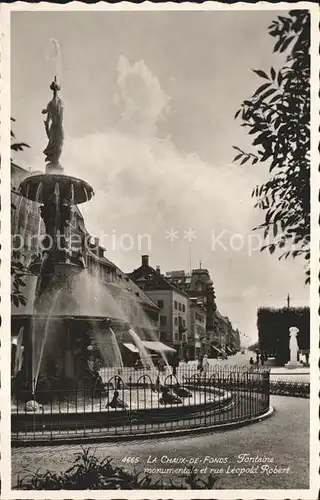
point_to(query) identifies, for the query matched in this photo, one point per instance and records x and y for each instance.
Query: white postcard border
(5, 253)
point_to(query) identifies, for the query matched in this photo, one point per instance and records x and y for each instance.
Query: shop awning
(228, 349)
(216, 349)
(157, 346)
(131, 347)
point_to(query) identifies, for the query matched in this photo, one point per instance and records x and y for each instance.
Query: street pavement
(276, 372)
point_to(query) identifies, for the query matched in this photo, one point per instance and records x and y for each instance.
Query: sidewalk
(280, 370)
(296, 375)
(276, 372)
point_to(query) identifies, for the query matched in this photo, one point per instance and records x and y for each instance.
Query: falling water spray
(56, 58)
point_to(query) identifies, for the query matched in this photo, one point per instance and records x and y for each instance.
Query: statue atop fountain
(293, 348)
(54, 129)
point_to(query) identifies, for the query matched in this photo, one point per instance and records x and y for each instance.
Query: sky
(149, 103)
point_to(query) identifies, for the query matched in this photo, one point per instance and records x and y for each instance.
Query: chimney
(158, 269)
(145, 260)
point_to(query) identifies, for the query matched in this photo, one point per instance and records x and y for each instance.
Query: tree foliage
(17, 282)
(18, 270)
(17, 146)
(277, 117)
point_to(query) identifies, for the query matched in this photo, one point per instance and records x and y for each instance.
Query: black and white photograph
(159, 287)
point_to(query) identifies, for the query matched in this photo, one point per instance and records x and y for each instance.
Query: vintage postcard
(160, 250)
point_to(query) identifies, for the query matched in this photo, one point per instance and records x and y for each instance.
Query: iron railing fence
(138, 402)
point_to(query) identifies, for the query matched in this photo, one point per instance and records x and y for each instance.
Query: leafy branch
(277, 116)
(18, 270)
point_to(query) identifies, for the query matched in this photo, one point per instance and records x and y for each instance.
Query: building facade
(189, 319)
(197, 329)
(219, 336)
(172, 302)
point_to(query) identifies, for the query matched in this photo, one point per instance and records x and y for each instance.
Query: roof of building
(127, 284)
(152, 279)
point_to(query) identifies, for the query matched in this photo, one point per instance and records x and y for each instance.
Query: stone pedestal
(292, 364)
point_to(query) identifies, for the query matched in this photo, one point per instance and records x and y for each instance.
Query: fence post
(130, 405)
(266, 387)
(84, 407)
(205, 398)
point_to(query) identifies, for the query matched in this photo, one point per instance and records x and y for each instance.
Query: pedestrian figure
(251, 361)
(262, 360)
(205, 363)
(257, 359)
(200, 365)
(161, 365)
(307, 357)
(174, 364)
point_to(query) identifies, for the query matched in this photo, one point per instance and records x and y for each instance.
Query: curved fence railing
(128, 401)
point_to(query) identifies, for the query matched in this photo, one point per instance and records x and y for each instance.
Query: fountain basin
(137, 397)
(82, 414)
(94, 414)
(63, 270)
(69, 317)
(72, 190)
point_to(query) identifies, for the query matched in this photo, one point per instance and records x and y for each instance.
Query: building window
(163, 320)
(176, 321)
(160, 304)
(179, 306)
(175, 304)
(163, 336)
(199, 318)
(183, 308)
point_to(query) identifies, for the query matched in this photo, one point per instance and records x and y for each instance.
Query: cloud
(140, 98)
(149, 178)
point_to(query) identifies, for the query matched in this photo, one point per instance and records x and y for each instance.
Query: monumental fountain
(51, 347)
(64, 321)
